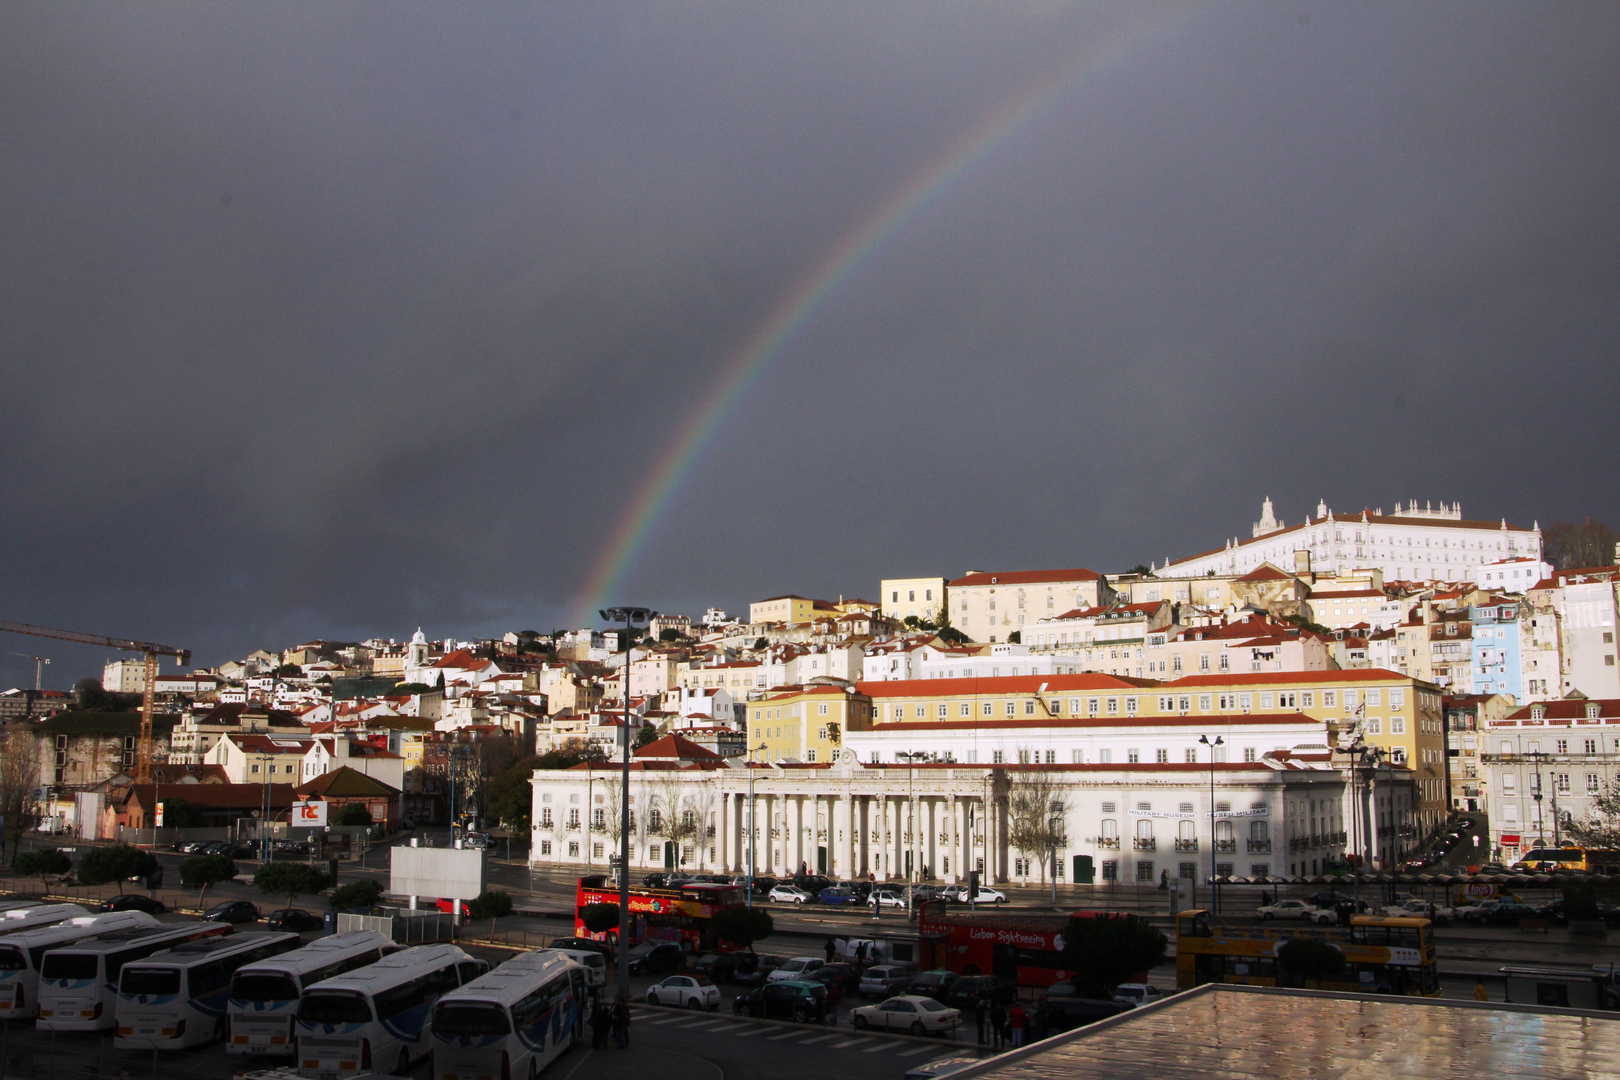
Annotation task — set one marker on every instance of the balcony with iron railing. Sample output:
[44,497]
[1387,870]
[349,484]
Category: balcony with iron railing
[1259,847]
[1145,843]
[1226,846]
[1187,845]
[1109,842]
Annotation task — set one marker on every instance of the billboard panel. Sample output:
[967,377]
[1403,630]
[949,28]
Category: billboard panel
[451,873]
[309,814]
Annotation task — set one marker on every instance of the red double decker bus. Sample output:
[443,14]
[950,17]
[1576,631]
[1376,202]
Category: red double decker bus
[684,913]
[1024,949]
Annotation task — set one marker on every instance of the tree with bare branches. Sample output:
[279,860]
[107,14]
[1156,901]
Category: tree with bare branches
[1567,545]
[1036,807]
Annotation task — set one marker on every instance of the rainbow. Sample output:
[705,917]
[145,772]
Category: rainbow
[795,309]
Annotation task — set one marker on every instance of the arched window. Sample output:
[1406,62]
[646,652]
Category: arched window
[1187,830]
[1144,828]
[1259,830]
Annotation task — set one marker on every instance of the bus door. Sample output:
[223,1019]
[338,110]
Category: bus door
[1004,962]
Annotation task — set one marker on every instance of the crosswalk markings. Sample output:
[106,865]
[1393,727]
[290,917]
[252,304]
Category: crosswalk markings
[850,1042]
[710,1024]
[790,1033]
[668,1020]
[818,1038]
[748,1030]
[877,1048]
[904,1050]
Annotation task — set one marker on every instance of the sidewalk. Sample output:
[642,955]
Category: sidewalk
[634,1063]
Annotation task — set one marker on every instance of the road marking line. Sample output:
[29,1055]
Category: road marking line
[711,1024]
[784,1035]
[875,1049]
[748,1030]
[671,1020]
[851,1042]
[903,1051]
[818,1038]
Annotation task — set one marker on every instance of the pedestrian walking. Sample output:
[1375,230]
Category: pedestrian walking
[833,997]
[1480,993]
[998,1026]
[601,1024]
[831,949]
[981,1013]
[860,954]
[1017,1019]
[621,1022]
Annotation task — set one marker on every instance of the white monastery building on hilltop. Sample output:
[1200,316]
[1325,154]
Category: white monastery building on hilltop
[1408,545]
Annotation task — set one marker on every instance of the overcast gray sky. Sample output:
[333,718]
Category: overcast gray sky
[333,320]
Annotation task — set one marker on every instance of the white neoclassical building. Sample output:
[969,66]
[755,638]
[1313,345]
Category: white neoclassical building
[1285,815]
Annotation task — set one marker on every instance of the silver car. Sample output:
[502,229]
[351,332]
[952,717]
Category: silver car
[882,980]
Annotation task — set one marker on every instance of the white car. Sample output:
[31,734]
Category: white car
[885,898]
[788,894]
[1419,909]
[1137,995]
[918,1015]
[799,967]
[691,991]
[986,896]
[1295,909]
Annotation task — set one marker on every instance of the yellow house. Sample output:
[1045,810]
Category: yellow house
[805,723]
[789,609]
[923,597]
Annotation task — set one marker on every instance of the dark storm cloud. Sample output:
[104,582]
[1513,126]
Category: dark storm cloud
[337,320]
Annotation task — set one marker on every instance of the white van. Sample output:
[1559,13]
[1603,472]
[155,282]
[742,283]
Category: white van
[594,963]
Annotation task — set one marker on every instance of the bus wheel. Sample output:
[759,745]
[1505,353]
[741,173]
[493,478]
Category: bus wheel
[534,1069]
[403,1068]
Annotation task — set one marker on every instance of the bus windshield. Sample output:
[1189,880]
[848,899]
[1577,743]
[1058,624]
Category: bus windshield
[471,1018]
[333,1008]
[11,958]
[69,966]
[264,988]
[150,981]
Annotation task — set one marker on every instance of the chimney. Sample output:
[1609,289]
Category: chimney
[1302,562]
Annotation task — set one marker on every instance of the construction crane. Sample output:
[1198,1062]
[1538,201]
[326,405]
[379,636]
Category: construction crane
[39,667]
[151,650]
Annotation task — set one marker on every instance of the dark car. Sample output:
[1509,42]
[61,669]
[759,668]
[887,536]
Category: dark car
[791,999]
[580,944]
[860,889]
[656,881]
[1055,1014]
[847,977]
[811,883]
[655,956]
[966,993]
[933,984]
[836,896]
[1503,913]
[232,911]
[717,966]
[133,902]
[1329,899]
[215,847]
[293,919]
[752,970]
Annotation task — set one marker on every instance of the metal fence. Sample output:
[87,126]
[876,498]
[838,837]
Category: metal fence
[405,927]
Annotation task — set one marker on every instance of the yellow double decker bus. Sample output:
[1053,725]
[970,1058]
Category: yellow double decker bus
[1382,955]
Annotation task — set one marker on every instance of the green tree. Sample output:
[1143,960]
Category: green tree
[600,918]
[491,904]
[511,795]
[406,689]
[1016,637]
[352,814]
[356,895]
[1142,570]
[42,861]
[761,643]
[116,864]
[201,871]
[647,734]
[1109,949]
[288,671]
[742,926]
[1567,545]
[180,814]
[669,633]
[289,879]
[1307,958]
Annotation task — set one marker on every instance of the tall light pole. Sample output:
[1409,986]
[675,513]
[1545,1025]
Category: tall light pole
[751,829]
[631,617]
[1214,891]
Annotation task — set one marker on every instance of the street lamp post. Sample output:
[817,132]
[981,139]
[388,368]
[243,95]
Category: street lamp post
[1056,810]
[631,617]
[751,830]
[1541,832]
[1214,890]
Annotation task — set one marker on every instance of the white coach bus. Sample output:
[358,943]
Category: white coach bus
[19,919]
[21,955]
[177,998]
[78,983]
[264,996]
[375,1019]
[511,1023]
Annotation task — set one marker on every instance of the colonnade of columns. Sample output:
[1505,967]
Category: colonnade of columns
[891,835]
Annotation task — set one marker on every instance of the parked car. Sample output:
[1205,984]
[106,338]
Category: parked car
[847,977]
[584,945]
[797,967]
[914,1013]
[788,894]
[655,956]
[293,919]
[958,894]
[656,881]
[214,847]
[935,984]
[689,991]
[1056,1014]
[966,993]
[1137,995]
[717,966]
[753,970]
[885,980]
[1501,913]
[232,911]
[888,898]
[1295,909]
[133,902]
[790,999]
[811,883]
[861,890]
[836,896]
[1327,899]
[1421,909]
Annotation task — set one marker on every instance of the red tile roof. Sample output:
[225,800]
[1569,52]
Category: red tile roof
[1027,577]
[1285,678]
[1569,709]
[1223,719]
[1004,684]
[674,746]
[1266,572]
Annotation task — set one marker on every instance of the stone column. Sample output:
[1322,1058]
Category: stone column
[722,834]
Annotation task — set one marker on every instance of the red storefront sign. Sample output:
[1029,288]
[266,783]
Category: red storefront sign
[1510,839]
